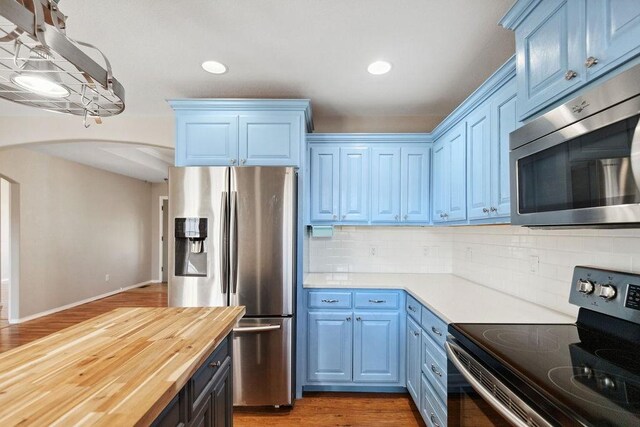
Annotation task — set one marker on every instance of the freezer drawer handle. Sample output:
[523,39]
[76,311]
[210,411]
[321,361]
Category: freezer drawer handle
[257,328]
[331,301]
[377,301]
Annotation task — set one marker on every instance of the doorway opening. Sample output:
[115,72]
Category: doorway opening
[164,239]
[9,250]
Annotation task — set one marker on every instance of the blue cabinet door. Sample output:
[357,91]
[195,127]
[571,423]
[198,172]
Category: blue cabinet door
[329,346]
[325,178]
[613,31]
[441,179]
[270,139]
[413,360]
[415,184]
[385,184]
[550,46]
[354,184]
[503,121]
[206,140]
[457,206]
[479,162]
[376,354]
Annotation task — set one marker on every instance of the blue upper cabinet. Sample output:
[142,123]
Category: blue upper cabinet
[414,186]
[551,53]
[270,140]
[240,132]
[385,184]
[325,188]
[212,140]
[562,45]
[479,162]
[449,176]
[354,184]
[613,34]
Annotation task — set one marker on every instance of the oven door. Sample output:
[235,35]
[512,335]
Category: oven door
[476,397]
[587,173]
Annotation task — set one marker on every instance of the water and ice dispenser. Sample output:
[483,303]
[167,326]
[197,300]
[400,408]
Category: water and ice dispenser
[191,246]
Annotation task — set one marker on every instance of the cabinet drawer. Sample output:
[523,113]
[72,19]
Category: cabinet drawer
[327,299]
[433,413]
[434,366]
[435,327]
[413,308]
[386,300]
[201,380]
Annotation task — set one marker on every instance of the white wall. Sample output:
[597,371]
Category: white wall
[535,265]
[77,224]
[157,190]
[4,247]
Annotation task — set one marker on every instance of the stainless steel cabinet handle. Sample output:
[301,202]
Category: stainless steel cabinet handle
[256,328]
[570,75]
[591,61]
[435,370]
[435,331]
[349,319]
[433,420]
[377,301]
[358,318]
[234,241]
[412,308]
[215,364]
[330,301]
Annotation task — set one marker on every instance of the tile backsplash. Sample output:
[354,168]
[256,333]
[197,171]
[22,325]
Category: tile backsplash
[535,265]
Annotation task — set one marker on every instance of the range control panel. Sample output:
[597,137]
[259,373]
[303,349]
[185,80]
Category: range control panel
[610,292]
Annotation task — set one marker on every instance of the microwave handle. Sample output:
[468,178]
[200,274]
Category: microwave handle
[453,350]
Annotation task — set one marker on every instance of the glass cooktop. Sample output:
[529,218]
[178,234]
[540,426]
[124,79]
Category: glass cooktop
[587,375]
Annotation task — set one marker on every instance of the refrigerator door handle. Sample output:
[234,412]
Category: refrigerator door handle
[224,241]
[257,328]
[233,244]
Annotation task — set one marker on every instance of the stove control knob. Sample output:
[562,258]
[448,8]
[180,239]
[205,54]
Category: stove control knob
[607,292]
[585,286]
[606,383]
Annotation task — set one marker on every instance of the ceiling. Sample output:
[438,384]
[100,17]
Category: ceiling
[441,52]
[138,161]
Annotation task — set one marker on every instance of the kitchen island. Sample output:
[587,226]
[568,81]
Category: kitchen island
[131,366]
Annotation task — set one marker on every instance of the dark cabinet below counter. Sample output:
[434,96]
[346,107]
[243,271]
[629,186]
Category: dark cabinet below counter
[207,398]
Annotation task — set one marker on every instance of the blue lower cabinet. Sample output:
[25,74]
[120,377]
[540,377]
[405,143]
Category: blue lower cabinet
[413,359]
[431,409]
[329,351]
[376,347]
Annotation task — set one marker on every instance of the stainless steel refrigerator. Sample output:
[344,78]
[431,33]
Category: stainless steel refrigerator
[233,234]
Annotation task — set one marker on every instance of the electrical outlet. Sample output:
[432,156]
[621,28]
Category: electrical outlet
[373,251]
[468,255]
[534,263]
[107,277]
[426,251]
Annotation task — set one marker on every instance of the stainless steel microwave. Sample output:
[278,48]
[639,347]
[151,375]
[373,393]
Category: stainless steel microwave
[579,164]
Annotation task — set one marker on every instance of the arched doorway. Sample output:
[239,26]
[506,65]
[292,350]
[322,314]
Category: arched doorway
[9,249]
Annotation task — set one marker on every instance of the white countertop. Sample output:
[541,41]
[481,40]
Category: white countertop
[453,299]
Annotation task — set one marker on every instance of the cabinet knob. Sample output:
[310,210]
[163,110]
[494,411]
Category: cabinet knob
[441,215]
[349,319]
[570,75]
[415,333]
[233,161]
[335,217]
[591,61]
[397,217]
[344,216]
[493,209]
[406,217]
[243,161]
[445,215]
[485,210]
[358,318]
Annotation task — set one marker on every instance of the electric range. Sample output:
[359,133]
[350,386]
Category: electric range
[585,374]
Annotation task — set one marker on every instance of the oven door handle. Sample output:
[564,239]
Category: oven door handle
[453,350]
[635,155]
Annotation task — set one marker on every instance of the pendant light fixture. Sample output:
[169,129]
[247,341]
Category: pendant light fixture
[41,67]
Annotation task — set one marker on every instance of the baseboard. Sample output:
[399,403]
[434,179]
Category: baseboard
[77,303]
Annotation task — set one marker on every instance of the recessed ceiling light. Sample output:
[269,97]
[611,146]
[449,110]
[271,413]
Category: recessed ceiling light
[214,67]
[379,67]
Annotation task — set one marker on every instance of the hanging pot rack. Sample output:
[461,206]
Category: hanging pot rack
[35,30]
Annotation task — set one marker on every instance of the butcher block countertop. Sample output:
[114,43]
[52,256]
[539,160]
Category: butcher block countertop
[118,369]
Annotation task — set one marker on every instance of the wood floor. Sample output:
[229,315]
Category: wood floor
[314,410]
